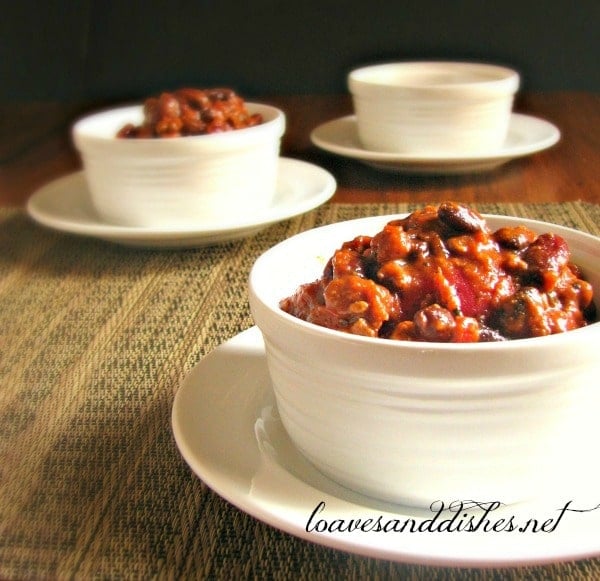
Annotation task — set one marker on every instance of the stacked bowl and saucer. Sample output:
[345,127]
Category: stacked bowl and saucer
[170,189]
[435,118]
[436,451]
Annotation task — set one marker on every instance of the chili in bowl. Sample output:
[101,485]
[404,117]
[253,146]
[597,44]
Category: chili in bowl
[181,159]
[438,356]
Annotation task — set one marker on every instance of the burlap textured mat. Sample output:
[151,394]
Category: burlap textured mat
[95,339]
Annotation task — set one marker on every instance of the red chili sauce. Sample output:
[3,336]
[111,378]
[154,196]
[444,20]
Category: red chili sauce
[192,112]
[441,274]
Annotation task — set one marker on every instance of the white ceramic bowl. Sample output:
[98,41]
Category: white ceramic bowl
[180,181]
[433,107]
[413,422]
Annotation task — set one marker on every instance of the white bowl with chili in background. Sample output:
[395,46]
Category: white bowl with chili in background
[415,422]
[438,107]
[186,181]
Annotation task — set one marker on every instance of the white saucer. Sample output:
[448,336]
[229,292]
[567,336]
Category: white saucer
[65,205]
[226,427]
[526,135]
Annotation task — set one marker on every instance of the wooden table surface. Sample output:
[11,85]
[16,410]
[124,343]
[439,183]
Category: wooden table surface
[35,148]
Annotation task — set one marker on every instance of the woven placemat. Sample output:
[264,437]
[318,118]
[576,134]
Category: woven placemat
[95,339]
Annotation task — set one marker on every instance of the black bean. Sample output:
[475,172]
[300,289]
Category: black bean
[460,218]
[514,238]
[434,323]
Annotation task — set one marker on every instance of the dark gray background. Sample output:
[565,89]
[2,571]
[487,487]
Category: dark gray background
[115,49]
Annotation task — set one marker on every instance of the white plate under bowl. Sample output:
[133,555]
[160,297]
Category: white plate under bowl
[65,205]
[226,427]
[526,135]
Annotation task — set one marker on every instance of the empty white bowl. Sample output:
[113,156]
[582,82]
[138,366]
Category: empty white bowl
[180,181]
[433,107]
[414,422]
